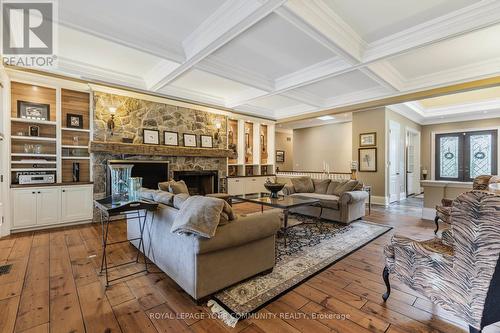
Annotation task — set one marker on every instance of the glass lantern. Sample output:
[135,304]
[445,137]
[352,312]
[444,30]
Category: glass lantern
[120,177]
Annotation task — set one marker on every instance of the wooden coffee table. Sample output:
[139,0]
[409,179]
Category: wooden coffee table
[282,202]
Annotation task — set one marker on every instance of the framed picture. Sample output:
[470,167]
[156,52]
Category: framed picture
[280,156]
[34,130]
[368,139]
[171,138]
[151,137]
[35,111]
[206,141]
[189,140]
[74,120]
[367,159]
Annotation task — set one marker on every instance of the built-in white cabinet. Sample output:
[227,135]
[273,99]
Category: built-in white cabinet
[246,185]
[50,205]
[24,207]
[76,203]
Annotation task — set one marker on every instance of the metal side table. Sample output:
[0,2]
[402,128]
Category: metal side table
[113,206]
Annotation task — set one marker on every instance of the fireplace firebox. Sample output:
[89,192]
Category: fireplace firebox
[199,182]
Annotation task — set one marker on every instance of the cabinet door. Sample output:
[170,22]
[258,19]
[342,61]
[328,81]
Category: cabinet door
[48,202]
[76,203]
[251,185]
[24,207]
[260,185]
[235,186]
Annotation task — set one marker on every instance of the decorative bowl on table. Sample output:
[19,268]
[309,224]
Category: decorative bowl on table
[274,188]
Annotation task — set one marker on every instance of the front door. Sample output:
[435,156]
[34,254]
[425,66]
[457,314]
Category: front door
[465,155]
[394,161]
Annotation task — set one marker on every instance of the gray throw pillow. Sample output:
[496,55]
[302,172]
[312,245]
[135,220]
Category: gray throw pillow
[321,185]
[179,187]
[346,187]
[303,184]
[163,197]
[165,186]
[179,199]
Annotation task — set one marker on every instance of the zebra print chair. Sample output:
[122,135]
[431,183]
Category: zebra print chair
[461,275]
[443,211]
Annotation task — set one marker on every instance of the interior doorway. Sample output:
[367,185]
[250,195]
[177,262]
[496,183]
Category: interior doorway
[412,162]
[395,155]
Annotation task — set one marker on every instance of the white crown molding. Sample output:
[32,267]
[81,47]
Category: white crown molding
[86,71]
[305,97]
[175,55]
[229,21]
[480,106]
[384,74]
[162,68]
[356,97]
[320,22]
[460,74]
[236,73]
[406,111]
[192,95]
[476,16]
[313,73]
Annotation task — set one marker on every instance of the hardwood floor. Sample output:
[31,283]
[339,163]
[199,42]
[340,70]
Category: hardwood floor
[54,286]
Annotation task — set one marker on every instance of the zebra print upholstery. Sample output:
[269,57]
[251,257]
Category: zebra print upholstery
[443,212]
[461,275]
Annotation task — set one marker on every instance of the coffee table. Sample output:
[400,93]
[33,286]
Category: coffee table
[282,202]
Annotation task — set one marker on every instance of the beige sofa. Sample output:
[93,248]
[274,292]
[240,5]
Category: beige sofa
[341,201]
[239,250]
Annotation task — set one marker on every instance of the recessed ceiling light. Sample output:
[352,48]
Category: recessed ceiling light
[324,118]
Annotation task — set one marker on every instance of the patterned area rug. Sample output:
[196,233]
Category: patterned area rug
[311,246]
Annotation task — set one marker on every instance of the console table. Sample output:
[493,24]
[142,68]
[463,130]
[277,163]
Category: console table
[113,206]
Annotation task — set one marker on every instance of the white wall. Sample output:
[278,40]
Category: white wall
[329,143]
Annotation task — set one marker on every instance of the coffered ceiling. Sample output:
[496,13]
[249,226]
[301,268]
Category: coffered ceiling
[280,58]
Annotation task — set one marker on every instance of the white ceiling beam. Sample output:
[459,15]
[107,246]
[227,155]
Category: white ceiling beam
[230,20]
[477,16]
[320,22]
[311,18]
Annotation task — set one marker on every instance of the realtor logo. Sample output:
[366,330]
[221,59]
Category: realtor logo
[28,33]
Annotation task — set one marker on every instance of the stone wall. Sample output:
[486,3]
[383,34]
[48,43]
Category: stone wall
[133,115]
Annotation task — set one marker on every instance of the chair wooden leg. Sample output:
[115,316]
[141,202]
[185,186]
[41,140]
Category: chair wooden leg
[474,330]
[436,220]
[385,275]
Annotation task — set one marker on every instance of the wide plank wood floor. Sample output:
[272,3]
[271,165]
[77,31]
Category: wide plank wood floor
[54,286]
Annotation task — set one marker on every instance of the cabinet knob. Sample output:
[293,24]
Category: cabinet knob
[64,190]
[33,192]
[38,192]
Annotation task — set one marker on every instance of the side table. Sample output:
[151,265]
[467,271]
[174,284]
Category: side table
[113,206]
[368,188]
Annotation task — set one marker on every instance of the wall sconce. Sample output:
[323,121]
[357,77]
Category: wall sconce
[217,138]
[111,121]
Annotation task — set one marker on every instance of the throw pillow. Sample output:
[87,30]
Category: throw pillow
[303,184]
[345,187]
[332,186]
[163,197]
[179,187]
[179,199]
[165,186]
[321,185]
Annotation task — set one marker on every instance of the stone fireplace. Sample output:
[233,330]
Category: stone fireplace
[133,115]
[199,182]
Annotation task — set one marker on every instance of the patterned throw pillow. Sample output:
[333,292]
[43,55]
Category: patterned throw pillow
[303,184]
[321,185]
[348,186]
[179,187]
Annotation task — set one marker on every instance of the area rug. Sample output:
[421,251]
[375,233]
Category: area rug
[311,246]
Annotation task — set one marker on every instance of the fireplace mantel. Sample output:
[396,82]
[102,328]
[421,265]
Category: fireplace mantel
[156,150]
